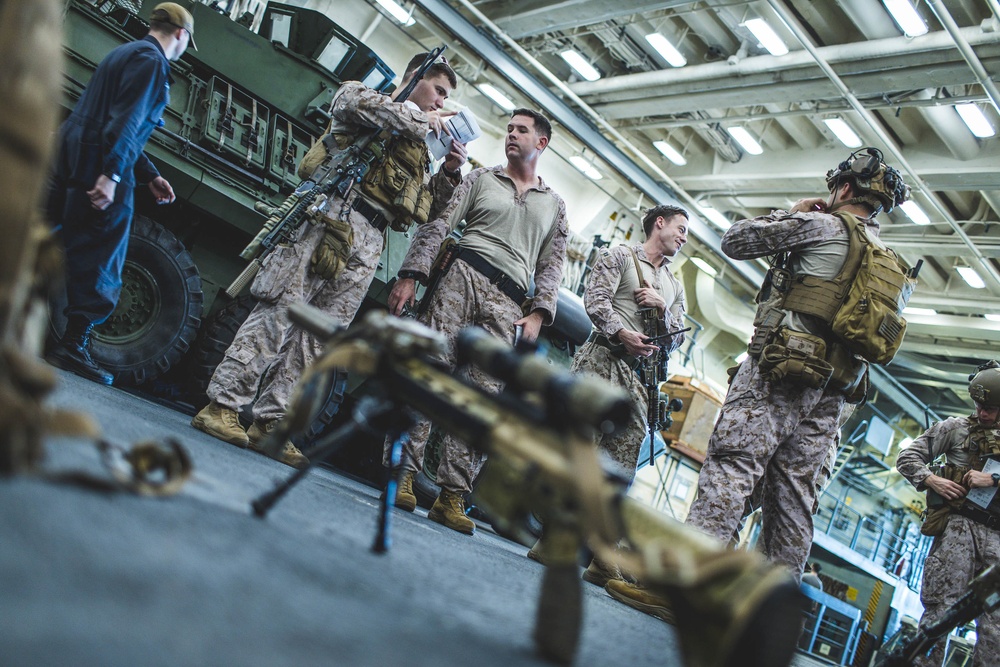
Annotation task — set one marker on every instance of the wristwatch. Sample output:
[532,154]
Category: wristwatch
[996,479]
[413,275]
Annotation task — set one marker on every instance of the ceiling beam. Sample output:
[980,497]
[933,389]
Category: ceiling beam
[536,18]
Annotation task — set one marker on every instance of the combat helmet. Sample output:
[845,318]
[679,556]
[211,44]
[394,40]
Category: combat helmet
[874,182]
[984,384]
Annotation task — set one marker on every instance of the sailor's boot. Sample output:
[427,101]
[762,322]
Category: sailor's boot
[449,509]
[405,498]
[73,353]
[222,423]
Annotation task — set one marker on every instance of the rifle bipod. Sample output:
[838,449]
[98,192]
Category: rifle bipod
[370,415]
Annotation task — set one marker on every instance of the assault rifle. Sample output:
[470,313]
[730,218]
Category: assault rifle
[733,608]
[340,171]
[653,370]
[907,645]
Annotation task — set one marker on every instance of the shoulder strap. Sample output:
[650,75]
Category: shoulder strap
[638,269]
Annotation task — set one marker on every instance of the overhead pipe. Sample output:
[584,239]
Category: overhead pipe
[855,51]
[966,50]
[876,127]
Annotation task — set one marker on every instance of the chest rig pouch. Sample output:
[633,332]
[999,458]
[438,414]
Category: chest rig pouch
[983,445]
[396,179]
[395,176]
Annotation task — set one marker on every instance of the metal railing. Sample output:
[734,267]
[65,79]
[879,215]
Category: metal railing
[899,554]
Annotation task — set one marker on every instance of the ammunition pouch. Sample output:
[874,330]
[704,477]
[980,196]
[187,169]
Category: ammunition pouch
[396,181]
[850,374]
[795,358]
[330,257]
[935,517]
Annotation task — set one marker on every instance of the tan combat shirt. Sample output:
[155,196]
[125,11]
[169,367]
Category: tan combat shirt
[520,235]
[945,437]
[610,294]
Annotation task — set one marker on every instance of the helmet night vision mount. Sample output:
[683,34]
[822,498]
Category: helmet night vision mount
[873,181]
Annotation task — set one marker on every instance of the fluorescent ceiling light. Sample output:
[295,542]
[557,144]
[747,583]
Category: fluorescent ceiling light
[745,140]
[905,442]
[843,132]
[397,11]
[915,213]
[911,310]
[741,357]
[767,37]
[501,100]
[906,17]
[992,317]
[720,221]
[669,152]
[704,266]
[666,49]
[584,165]
[970,276]
[578,63]
[975,119]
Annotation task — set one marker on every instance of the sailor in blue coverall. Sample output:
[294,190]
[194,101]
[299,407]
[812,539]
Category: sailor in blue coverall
[99,163]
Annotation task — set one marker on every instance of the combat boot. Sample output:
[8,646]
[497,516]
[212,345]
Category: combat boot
[289,454]
[222,423]
[600,572]
[641,598]
[405,498]
[73,353]
[449,509]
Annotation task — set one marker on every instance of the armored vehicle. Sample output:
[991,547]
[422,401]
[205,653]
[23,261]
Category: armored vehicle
[244,108]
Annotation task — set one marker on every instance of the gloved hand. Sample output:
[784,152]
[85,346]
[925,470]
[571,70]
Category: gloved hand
[334,249]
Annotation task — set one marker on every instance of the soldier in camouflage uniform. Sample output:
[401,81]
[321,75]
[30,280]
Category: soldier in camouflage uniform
[613,298]
[515,227]
[970,541]
[780,429]
[330,265]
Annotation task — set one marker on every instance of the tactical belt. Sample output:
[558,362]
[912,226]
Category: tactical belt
[375,218]
[504,283]
[988,519]
[618,351]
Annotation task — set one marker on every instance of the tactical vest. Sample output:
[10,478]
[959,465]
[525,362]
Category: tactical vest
[395,176]
[863,303]
[982,444]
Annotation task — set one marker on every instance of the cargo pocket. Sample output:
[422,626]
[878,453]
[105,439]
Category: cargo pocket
[270,284]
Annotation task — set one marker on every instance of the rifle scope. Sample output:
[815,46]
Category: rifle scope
[569,399]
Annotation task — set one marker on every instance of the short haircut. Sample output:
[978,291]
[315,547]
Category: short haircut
[664,211]
[162,27]
[542,125]
[817,568]
[440,67]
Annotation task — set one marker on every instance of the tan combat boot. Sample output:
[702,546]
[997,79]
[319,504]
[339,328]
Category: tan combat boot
[449,509]
[222,423]
[641,598]
[289,455]
[405,498]
[600,572]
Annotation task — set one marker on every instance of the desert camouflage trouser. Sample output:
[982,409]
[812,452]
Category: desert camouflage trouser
[623,447]
[271,353]
[956,557]
[782,431]
[464,298]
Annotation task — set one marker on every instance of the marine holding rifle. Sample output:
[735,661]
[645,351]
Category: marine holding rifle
[627,283]
[963,511]
[515,228]
[330,261]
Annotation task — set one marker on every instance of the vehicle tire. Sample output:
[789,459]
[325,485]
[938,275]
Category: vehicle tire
[158,313]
